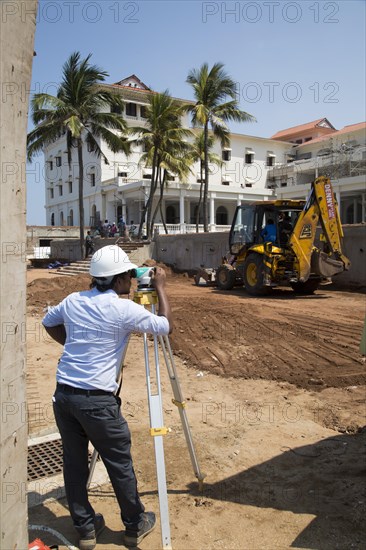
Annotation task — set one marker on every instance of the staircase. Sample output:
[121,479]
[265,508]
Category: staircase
[81,267]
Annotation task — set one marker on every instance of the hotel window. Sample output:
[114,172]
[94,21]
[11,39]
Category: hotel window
[249,156]
[60,191]
[271,158]
[70,186]
[58,161]
[89,147]
[92,180]
[143,111]
[226,154]
[51,193]
[131,109]
[50,164]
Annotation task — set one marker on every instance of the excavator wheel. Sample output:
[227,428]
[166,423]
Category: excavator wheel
[253,275]
[225,277]
[307,288]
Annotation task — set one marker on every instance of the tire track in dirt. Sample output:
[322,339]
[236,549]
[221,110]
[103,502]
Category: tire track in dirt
[270,340]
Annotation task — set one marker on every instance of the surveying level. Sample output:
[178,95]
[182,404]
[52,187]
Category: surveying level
[145,295]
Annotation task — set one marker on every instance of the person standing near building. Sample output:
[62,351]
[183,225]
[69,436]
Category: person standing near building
[89,244]
[94,327]
[122,227]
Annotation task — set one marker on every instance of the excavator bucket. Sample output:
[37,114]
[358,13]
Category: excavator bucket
[323,265]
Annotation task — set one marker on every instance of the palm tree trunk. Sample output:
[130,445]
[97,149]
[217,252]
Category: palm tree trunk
[150,205]
[205,193]
[81,196]
[159,205]
[146,208]
[200,199]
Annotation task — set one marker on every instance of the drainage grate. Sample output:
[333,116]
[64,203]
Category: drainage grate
[44,459]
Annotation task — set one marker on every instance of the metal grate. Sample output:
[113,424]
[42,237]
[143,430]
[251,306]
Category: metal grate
[45,459]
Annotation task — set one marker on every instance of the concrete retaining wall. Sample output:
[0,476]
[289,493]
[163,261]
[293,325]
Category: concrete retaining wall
[38,233]
[69,250]
[355,250]
[189,252]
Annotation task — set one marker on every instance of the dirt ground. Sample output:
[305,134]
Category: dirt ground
[275,391]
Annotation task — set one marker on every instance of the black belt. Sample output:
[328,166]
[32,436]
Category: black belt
[82,391]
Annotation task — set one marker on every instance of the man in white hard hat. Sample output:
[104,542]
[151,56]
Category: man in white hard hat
[94,326]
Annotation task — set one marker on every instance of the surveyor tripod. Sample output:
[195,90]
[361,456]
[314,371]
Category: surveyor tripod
[148,297]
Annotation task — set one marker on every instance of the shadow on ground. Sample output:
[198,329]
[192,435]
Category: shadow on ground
[326,479]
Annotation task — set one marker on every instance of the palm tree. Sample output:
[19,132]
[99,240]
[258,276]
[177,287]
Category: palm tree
[175,160]
[211,88]
[198,155]
[163,138]
[79,109]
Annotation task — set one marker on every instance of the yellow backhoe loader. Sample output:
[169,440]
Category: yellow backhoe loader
[273,243]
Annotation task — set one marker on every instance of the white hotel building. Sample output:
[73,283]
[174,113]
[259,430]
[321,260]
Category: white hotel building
[253,169]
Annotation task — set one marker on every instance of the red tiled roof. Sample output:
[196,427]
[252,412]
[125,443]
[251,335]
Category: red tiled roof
[301,128]
[345,130]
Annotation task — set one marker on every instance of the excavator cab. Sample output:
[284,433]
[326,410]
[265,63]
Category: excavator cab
[242,231]
[255,224]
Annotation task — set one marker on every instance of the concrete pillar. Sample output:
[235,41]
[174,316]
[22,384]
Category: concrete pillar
[363,203]
[17,26]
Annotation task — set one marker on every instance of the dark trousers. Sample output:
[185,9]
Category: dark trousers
[81,417]
[89,249]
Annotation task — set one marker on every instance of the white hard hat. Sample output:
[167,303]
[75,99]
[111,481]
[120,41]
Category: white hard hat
[108,261]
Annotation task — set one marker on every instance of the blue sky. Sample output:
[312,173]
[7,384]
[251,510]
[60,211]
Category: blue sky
[293,62]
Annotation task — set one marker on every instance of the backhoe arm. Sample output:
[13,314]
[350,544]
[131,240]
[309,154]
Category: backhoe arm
[320,206]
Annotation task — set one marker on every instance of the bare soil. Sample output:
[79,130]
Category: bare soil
[275,388]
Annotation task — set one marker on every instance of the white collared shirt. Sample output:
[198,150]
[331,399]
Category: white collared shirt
[98,325]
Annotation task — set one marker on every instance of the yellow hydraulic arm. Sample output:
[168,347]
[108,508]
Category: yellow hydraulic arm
[320,206]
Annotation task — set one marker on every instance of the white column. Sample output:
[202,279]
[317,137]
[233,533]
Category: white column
[212,212]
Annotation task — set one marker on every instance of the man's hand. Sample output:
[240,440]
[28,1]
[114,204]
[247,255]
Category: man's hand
[158,278]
